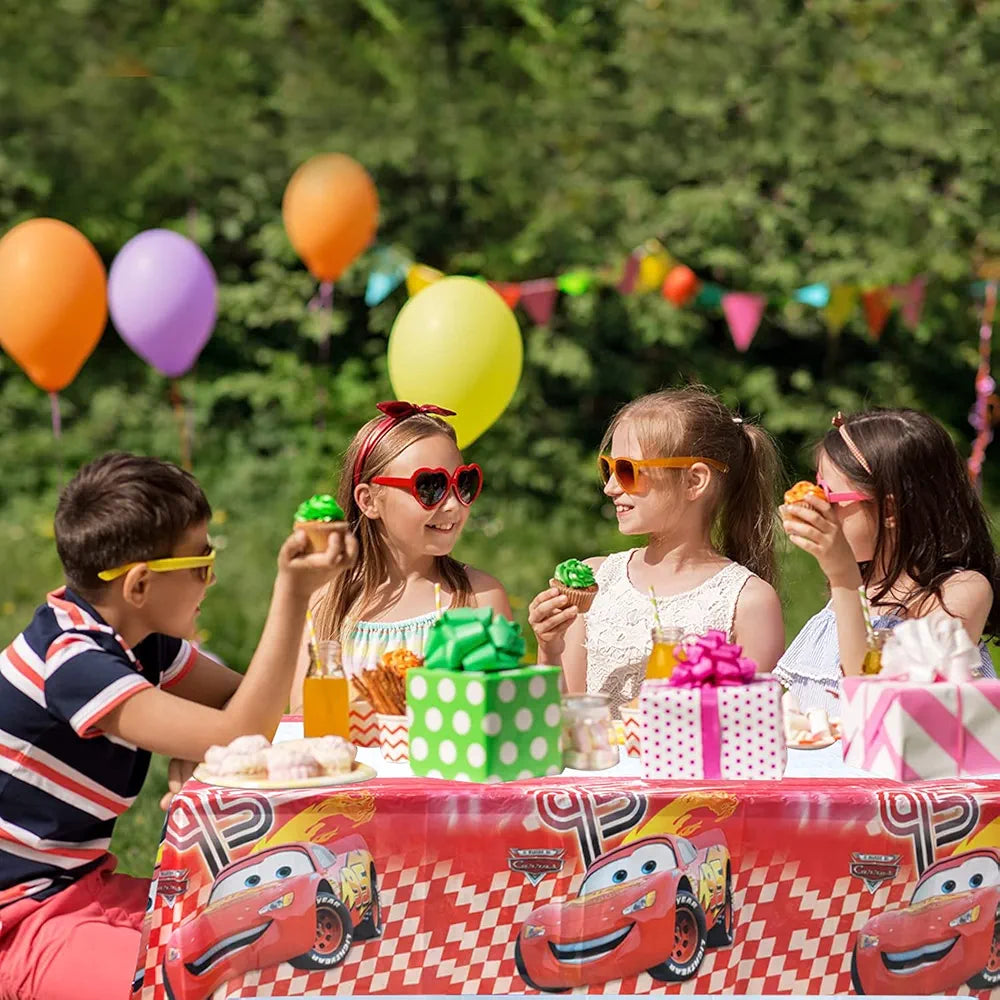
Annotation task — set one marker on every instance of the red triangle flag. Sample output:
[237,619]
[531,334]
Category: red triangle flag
[509,291]
[877,304]
[539,299]
[743,314]
[910,298]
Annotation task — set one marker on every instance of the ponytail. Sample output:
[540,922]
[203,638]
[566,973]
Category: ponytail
[747,523]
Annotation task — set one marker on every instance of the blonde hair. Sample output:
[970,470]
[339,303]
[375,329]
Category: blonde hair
[339,606]
[743,504]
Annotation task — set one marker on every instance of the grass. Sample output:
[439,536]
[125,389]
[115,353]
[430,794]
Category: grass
[508,539]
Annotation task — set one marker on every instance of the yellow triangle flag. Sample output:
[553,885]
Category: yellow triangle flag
[653,268]
[843,299]
[420,276]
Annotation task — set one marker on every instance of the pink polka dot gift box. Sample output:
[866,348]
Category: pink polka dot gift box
[713,718]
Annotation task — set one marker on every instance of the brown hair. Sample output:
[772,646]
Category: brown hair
[334,609]
[940,524]
[693,421]
[123,508]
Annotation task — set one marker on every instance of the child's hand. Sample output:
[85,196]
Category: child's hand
[812,525]
[306,571]
[178,771]
[550,615]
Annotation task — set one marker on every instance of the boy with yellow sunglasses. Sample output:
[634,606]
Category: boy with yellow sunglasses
[101,677]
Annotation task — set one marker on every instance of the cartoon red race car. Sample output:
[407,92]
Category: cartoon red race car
[299,903]
[948,935]
[651,905]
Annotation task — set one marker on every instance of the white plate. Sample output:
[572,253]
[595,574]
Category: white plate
[360,772]
[813,746]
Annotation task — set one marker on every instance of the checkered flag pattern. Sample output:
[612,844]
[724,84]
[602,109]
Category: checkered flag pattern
[447,933]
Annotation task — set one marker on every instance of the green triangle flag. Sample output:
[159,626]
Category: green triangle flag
[575,282]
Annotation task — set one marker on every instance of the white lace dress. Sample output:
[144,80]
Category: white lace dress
[620,620]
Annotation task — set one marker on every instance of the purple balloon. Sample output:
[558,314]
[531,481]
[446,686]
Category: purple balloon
[163,298]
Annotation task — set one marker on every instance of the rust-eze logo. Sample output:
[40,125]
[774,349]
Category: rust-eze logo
[534,863]
[874,869]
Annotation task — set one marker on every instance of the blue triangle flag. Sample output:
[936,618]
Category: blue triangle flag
[813,295]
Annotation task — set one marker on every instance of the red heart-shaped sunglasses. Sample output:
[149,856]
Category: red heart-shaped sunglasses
[429,487]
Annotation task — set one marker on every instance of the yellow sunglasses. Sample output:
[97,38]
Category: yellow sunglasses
[205,563]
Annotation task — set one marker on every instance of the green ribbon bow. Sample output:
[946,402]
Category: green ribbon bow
[473,639]
[321,507]
[576,574]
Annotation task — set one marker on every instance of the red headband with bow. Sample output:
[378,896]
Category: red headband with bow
[395,410]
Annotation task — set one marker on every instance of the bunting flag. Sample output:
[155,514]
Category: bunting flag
[877,305]
[743,312]
[813,295]
[985,386]
[654,264]
[910,299]
[539,299]
[420,276]
[509,291]
[575,282]
[843,299]
[389,270]
[630,275]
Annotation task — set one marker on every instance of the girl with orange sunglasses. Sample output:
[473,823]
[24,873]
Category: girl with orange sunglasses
[701,485]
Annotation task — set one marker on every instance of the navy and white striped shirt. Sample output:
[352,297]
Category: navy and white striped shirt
[63,782]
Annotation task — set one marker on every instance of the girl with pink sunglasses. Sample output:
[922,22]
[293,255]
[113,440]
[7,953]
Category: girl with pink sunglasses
[406,493]
[900,518]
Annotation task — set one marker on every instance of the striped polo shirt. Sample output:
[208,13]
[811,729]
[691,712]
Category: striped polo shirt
[63,782]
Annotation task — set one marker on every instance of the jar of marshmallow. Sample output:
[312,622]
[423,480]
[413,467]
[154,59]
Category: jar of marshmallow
[588,738]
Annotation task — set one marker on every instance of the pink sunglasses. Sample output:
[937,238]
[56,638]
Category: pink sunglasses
[831,497]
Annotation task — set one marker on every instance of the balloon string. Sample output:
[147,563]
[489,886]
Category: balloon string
[177,401]
[323,301]
[56,415]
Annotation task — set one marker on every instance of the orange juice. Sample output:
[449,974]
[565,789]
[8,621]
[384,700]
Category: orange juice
[326,706]
[662,660]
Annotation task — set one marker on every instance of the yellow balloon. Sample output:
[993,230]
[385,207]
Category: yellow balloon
[458,345]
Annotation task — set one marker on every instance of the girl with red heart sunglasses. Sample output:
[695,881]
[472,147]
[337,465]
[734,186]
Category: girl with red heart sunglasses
[406,493]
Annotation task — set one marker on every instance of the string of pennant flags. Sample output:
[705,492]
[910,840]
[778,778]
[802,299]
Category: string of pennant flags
[651,269]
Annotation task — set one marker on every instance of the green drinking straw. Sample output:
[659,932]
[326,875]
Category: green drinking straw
[656,610]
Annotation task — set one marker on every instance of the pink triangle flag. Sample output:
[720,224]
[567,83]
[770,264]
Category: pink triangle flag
[743,314]
[630,275]
[539,299]
[910,298]
[509,291]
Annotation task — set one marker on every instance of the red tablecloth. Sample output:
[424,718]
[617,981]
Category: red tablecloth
[451,880]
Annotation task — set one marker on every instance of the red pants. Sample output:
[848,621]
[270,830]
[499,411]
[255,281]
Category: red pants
[80,944]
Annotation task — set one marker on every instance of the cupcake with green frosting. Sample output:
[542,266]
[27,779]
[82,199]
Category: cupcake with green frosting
[319,517]
[575,581]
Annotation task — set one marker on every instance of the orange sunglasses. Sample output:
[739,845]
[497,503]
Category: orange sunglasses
[626,470]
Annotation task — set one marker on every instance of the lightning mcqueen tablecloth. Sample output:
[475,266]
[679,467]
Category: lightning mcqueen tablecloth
[613,884]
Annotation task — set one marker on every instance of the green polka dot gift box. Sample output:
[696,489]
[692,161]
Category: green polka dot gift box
[475,713]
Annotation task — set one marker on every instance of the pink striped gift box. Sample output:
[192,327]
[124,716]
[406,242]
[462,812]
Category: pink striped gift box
[914,731]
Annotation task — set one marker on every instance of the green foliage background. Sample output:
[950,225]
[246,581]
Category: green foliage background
[767,143]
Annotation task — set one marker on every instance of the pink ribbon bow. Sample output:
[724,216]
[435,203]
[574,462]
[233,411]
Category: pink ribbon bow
[711,661]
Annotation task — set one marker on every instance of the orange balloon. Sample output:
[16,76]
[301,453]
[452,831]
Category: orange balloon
[330,210]
[53,300]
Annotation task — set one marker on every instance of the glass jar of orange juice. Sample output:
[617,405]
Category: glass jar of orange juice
[325,694]
[662,659]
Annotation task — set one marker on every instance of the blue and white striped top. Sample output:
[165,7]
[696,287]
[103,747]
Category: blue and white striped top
[810,667]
